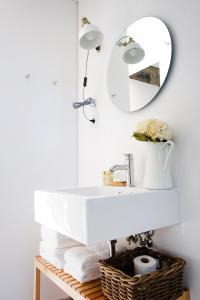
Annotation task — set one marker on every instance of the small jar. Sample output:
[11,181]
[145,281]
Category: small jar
[107,178]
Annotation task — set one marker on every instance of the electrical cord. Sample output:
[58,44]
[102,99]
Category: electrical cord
[85,77]
[91,120]
[86,102]
[89,101]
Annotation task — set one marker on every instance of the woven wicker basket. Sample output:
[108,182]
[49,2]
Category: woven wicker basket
[119,283]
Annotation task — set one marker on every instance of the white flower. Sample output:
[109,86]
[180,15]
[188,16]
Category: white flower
[155,130]
[142,127]
[165,133]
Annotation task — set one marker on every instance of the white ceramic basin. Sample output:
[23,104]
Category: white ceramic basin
[94,214]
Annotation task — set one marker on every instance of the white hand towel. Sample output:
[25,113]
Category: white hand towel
[82,276]
[84,257]
[57,240]
[62,244]
[50,250]
[54,257]
[81,261]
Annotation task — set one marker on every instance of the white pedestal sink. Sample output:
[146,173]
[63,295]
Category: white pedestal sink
[95,214]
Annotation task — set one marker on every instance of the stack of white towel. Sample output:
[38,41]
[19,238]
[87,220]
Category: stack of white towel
[76,259]
[54,245]
[81,262]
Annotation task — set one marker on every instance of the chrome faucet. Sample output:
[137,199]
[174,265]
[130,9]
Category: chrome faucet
[128,167]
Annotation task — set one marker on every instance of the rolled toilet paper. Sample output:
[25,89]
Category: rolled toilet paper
[144,264]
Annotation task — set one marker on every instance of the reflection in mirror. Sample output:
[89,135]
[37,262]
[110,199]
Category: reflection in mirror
[131,85]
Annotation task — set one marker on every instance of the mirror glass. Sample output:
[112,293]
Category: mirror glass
[133,85]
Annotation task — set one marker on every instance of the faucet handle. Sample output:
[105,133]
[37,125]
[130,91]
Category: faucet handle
[128,156]
[130,171]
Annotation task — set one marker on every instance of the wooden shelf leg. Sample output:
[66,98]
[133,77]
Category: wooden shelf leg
[186,295]
[36,283]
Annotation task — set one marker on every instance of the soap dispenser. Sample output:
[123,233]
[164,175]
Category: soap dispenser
[107,178]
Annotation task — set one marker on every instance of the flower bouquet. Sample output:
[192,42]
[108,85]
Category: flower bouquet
[157,136]
[153,130]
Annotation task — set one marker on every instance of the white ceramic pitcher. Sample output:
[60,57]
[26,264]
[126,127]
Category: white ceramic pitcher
[157,169]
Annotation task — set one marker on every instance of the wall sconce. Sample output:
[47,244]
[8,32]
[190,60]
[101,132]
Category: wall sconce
[133,52]
[90,36]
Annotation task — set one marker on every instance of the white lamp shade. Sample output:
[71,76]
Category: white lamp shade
[133,53]
[90,36]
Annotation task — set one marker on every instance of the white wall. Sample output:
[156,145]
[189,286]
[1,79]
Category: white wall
[38,134]
[178,104]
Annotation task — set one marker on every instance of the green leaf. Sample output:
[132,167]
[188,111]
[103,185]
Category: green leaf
[141,137]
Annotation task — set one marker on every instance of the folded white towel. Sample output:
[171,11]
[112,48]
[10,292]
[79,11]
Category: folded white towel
[55,257]
[52,251]
[82,276]
[57,240]
[81,261]
[84,258]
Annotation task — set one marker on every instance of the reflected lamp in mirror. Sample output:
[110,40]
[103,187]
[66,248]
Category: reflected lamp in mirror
[134,84]
[90,37]
[132,52]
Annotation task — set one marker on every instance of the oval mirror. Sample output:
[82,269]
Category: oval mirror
[139,64]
